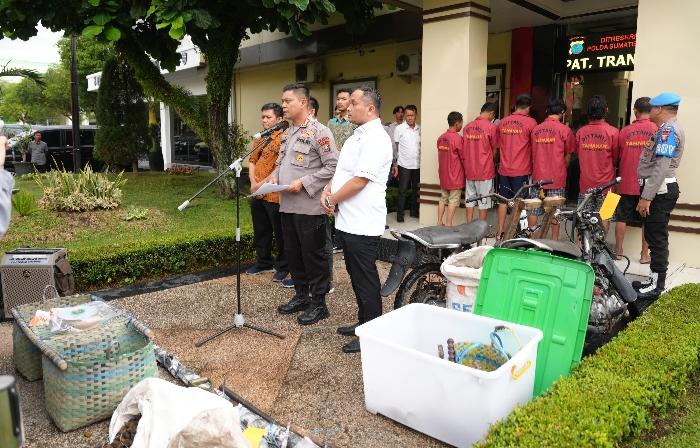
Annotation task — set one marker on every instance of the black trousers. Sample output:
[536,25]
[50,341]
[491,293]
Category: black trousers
[305,245]
[266,222]
[361,263]
[656,227]
[406,175]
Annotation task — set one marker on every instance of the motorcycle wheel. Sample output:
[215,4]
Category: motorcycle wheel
[425,284]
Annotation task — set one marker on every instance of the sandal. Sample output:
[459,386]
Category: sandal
[491,235]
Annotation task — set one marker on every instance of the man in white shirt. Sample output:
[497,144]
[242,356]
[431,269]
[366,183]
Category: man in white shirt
[358,189]
[407,138]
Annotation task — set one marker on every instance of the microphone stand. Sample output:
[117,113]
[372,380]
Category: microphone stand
[238,319]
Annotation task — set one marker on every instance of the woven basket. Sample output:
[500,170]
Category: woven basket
[26,354]
[96,376]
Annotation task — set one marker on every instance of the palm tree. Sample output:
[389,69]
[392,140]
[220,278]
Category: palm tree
[23,72]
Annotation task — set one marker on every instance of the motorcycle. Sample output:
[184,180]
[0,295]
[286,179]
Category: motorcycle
[613,295]
[425,250]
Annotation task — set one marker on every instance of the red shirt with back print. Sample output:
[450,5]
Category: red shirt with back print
[514,135]
[597,148]
[552,140]
[450,169]
[631,144]
[480,139]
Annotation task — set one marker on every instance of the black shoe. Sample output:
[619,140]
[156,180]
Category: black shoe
[348,331]
[654,288]
[399,219]
[299,302]
[316,311]
[637,285]
[352,347]
[415,215]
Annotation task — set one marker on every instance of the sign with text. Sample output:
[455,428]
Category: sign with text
[601,52]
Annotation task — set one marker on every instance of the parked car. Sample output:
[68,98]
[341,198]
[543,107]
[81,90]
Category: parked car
[59,140]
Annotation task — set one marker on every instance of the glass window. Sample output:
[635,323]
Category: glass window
[69,138]
[52,138]
[87,138]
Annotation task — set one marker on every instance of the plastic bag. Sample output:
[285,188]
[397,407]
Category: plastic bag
[80,317]
[167,410]
[463,271]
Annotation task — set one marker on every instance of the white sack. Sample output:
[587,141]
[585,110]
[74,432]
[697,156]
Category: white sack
[464,268]
[166,409]
[463,272]
[213,428]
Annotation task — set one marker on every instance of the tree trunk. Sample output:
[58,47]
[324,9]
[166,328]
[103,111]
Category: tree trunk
[135,167]
[220,47]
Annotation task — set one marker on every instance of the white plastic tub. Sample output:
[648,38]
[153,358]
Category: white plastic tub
[405,380]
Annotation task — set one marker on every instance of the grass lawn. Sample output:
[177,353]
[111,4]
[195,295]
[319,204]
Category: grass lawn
[161,193]
[681,428]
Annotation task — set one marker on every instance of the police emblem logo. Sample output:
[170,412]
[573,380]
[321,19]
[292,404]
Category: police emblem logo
[665,132]
[646,153]
[324,141]
[326,149]
[576,44]
[300,158]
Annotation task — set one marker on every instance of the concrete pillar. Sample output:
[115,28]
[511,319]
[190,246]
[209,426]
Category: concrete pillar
[167,136]
[455,39]
[664,62]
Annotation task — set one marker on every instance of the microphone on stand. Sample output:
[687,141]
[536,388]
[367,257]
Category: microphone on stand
[276,127]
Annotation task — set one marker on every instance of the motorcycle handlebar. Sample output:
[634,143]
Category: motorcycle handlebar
[602,188]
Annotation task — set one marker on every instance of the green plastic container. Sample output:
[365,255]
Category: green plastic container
[540,290]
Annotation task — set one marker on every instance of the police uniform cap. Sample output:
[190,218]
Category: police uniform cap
[666,99]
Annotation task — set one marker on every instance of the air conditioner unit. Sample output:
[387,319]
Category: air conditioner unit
[409,63]
[309,72]
[493,80]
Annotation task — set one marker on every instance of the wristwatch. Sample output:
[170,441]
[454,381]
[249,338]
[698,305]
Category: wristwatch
[328,201]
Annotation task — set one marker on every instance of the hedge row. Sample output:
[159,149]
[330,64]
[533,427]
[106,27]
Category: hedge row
[614,396]
[117,264]
[125,263]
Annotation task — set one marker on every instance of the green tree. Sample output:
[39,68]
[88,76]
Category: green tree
[24,101]
[143,28]
[33,75]
[122,112]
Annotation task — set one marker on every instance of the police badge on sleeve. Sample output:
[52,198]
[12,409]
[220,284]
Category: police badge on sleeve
[666,146]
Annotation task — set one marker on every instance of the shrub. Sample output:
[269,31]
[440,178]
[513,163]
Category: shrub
[392,196]
[24,203]
[180,169]
[135,213]
[614,396]
[87,190]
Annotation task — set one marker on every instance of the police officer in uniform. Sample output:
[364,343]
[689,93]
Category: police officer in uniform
[659,192]
[306,163]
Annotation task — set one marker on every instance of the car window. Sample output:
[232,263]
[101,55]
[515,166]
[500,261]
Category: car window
[68,138]
[87,137]
[52,138]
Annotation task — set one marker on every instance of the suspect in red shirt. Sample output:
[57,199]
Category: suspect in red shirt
[598,150]
[479,152]
[516,156]
[631,144]
[450,168]
[552,146]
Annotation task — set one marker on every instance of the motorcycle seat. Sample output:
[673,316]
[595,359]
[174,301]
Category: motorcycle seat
[461,235]
[565,247]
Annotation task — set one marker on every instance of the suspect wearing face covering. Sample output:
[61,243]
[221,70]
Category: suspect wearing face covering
[659,188]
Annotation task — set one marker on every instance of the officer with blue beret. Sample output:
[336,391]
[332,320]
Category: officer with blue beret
[659,191]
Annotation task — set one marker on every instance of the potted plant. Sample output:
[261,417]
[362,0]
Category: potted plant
[21,142]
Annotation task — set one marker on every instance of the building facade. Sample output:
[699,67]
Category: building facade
[445,55]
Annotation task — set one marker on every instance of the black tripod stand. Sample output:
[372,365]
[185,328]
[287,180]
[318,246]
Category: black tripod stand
[238,320]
